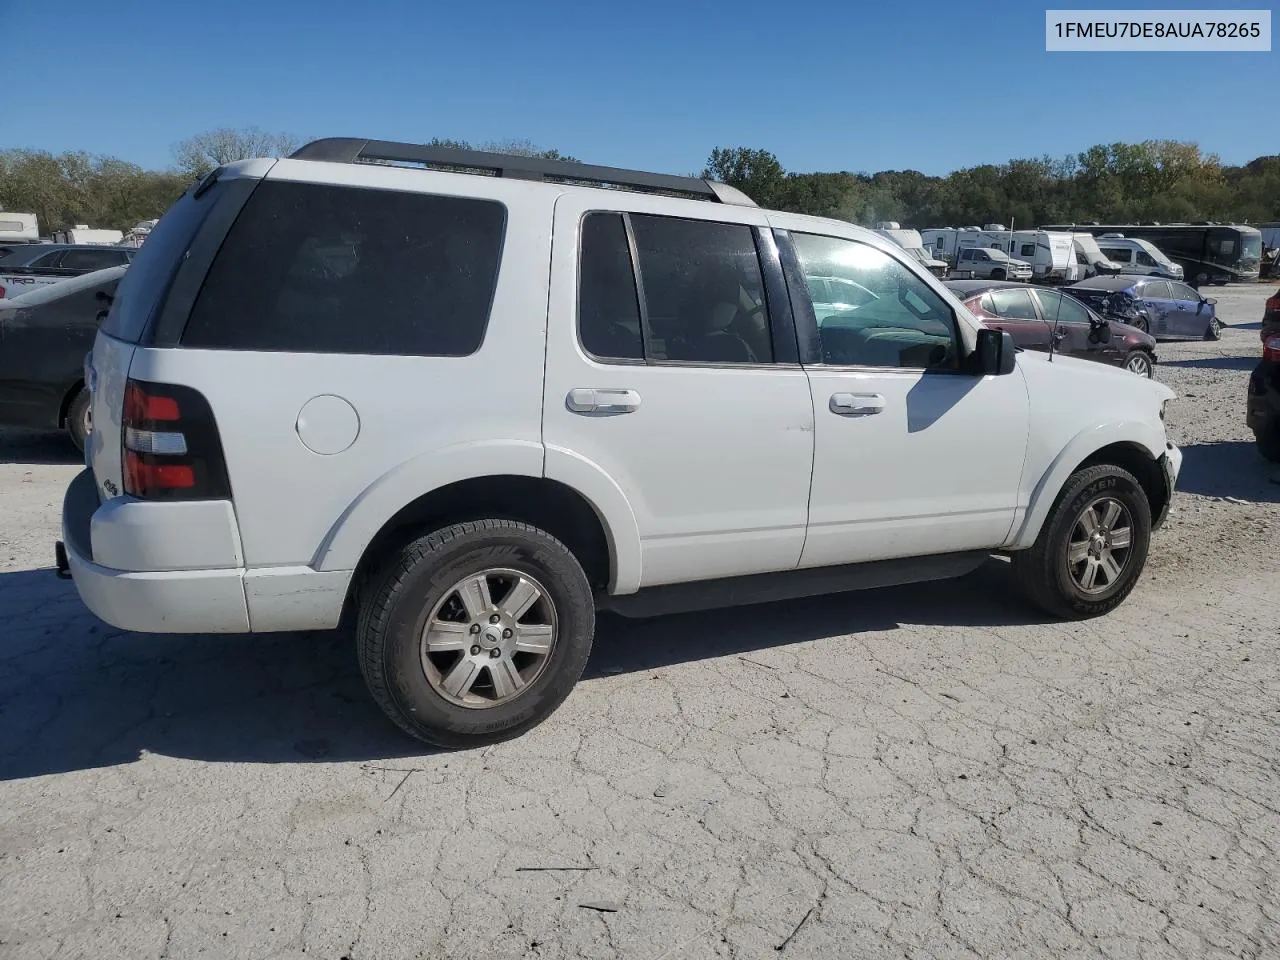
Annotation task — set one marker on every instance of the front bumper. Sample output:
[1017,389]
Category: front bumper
[1170,467]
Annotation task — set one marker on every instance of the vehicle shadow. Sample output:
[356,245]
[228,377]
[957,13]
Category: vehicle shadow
[1228,469]
[76,694]
[37,447]
[1214,363]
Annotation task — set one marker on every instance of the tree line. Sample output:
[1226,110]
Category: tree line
[1160,180]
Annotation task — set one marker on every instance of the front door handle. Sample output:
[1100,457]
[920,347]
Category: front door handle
[856,404]
[602,400]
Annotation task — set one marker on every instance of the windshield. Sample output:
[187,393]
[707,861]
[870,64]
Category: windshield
[1250,249]
[1154,253]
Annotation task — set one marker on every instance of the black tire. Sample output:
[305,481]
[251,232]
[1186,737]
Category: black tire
[78,419]
[400,597]
[1268,441]
[1043,572]
[1139,323]
[1214,331]
[1140,358]
[997,274]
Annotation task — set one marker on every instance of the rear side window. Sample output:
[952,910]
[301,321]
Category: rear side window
[700,296]
[1157,291]
[324,269]
[87,260]
[1013,304]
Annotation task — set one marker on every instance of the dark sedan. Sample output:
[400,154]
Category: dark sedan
[1167,309]
[1036,317]
[44,336]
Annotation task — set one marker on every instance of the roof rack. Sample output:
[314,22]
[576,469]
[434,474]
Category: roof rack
[386,152]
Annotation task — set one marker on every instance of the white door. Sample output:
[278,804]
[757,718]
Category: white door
[913,455]
[669,388]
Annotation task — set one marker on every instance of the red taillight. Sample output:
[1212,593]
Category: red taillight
[1273,303]
[171,448]
[1271,347]
[1,293]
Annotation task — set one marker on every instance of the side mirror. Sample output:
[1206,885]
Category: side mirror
[1100,332]
[995,352]
[1209,300]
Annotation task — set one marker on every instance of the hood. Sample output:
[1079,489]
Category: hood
[1112,383]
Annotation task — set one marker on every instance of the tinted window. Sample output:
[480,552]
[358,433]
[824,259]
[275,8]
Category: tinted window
[91,259]
[1060,309]
[905,325]
[48,260]
[1159,290]
[325,269]
[1118,254]
[1028,250]
[1013,305]
[608,313]
[703,291]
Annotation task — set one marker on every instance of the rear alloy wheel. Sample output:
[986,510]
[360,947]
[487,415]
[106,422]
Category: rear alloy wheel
[475,633]
[1140,363]
[80,419]
[1140,323]
[1214,332]
[1092,547]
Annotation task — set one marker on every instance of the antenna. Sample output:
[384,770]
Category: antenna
[1053,334]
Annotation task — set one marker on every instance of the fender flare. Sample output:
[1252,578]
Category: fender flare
[1082,446]
[369,512]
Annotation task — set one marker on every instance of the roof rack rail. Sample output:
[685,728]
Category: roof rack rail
[387,152]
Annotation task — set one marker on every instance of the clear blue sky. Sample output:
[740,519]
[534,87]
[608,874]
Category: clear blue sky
[655,84]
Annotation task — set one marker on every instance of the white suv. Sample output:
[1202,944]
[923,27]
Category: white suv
[469,398]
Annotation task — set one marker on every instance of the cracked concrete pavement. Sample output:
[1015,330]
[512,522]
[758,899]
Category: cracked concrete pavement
[929,771]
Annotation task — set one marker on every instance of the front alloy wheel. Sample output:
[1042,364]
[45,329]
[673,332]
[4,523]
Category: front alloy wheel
[1138,362]
[1100,544]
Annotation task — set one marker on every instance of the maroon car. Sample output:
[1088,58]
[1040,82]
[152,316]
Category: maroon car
[1035,316]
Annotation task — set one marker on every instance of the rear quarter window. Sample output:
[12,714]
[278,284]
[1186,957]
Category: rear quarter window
[313,268]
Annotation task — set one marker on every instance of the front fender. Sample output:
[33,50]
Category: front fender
[1082,446]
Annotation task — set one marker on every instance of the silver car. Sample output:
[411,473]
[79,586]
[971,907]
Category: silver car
[982,263]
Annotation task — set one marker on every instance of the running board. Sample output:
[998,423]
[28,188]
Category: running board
[789,585]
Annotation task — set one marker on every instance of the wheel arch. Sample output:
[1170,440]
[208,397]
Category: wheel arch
[68,398]
[1136,447]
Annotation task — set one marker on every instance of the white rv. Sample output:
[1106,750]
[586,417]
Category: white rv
[910,241]
[1093,262]
[1052,255]
[1138,256]
[18,228]
[81,234]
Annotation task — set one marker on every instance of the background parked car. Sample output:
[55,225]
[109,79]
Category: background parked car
[26,266]
[44,336]
[1167,309]
[1263,403]
[982,263]
[1137,256]
[1029,316]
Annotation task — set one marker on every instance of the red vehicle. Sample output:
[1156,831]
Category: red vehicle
[1263,404]
[1037,316]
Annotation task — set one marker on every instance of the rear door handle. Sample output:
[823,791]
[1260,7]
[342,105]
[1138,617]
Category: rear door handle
[856,404]
[602,400]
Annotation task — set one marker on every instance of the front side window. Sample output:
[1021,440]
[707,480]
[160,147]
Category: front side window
[1145,259]
[1182,292]
[312,268]
[1012,304]
[1060,309]
[905,325]
[701,291]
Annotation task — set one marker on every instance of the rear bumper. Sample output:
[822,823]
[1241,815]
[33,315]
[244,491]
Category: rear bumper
[171,601]
[220,597]
[1262,407]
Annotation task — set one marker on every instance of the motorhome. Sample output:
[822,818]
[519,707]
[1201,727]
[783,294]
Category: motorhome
[1093,262]
[911,241]
[1051,255]
[81,234]
[1138,256]
[1206,252]
[18,228]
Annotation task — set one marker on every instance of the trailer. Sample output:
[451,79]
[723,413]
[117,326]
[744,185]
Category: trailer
[18,228]
[81,234]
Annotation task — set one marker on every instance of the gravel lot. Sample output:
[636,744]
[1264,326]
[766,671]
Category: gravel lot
[931,771]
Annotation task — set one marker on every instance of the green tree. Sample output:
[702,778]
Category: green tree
[757,173]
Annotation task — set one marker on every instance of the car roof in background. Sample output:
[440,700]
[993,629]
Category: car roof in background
[967,288]
[1120,282]
[21,254]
